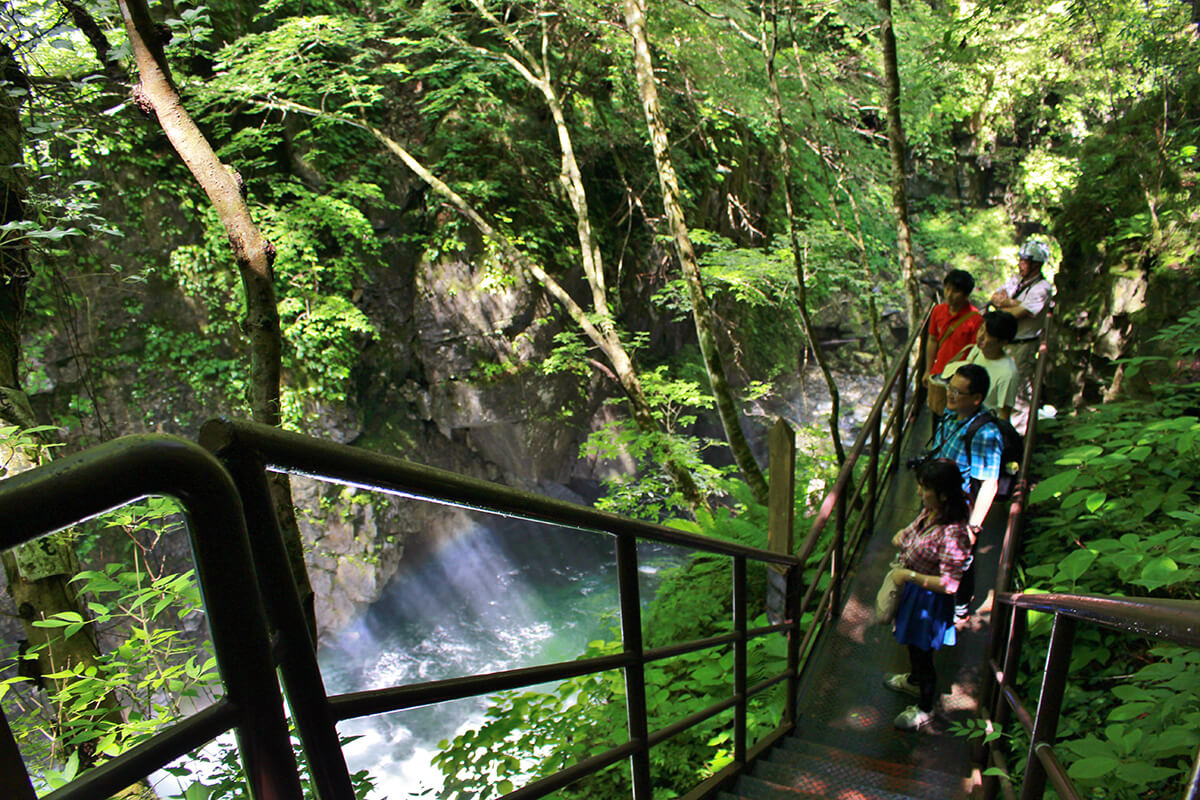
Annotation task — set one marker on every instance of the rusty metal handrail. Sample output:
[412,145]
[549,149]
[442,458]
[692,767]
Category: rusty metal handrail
[80,486]
[249,450]
[1172,620]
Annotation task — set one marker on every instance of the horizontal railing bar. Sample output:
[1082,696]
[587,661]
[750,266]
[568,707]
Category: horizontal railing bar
[1174,620]
[662,734]
[589,766]
[1055,772]
[762,686]
[164,747]
[397,698]
[1018,708]
[755,633]
[683,648]
[285,451]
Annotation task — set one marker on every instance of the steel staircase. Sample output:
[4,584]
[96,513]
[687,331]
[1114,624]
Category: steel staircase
[845,746]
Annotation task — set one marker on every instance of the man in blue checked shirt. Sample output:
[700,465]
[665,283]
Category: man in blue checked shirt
[980,466]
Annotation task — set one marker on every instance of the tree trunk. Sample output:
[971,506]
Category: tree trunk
[253,254]
[571,177]
[896,147]
[635,17]
[768,42]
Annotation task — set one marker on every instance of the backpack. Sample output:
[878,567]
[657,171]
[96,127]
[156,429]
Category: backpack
[1012,448]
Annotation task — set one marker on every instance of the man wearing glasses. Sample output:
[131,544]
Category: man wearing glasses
[978,454]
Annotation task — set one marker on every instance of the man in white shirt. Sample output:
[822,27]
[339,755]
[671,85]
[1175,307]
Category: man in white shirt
[1026,296]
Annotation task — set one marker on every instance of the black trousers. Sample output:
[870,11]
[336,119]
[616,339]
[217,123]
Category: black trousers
[923,675]
[966,587]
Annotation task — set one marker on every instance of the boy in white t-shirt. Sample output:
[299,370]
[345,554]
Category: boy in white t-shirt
[997,331]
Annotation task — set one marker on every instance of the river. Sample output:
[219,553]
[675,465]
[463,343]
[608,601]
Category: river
[502,594]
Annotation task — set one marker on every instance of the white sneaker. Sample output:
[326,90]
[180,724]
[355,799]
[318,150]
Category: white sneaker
[913,719]
[899,682]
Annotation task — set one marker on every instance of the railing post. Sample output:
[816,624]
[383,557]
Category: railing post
[298,667]
[781,515]
[873,475]
[795,577]
[837,566]
[1045,724]
[1012,658]
[739,660]
[635,673]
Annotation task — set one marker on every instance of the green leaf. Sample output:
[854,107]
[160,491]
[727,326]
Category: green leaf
[1074,565]
[1094,767]
[1140,773]
[1095,500]
[1159,572]
[1052,485]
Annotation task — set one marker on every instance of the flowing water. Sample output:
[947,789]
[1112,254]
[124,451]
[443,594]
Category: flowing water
[502,594]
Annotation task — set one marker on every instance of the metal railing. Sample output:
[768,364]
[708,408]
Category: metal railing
[248,588]
[851,494]
[81,486]
[1171,620]
[249,450]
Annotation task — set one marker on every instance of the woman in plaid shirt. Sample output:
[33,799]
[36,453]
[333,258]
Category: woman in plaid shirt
[933,552]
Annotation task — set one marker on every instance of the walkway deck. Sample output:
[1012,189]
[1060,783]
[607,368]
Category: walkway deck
[845,746]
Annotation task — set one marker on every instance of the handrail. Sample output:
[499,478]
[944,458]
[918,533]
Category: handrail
[80,486]
[1176,621]
[230,504]
[1172,620]
[249,450]
[847,469]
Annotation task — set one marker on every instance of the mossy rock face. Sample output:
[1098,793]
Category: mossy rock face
[1105,314]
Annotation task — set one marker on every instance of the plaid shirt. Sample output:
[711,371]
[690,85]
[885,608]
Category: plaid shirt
[930,549]
[950,441]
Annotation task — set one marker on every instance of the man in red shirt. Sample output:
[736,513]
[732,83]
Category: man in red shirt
[953,327]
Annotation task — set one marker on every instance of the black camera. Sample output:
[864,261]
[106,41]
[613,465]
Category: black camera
[915,463]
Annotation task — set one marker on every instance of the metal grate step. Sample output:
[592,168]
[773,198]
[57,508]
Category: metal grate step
[750,788]
[919,781]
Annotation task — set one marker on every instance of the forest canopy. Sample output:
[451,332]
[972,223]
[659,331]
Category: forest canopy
[568,244]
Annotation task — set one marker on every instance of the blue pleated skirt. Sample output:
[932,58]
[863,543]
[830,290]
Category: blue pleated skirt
[925,618]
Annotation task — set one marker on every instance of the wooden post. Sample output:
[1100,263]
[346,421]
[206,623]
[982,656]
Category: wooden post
[781,507]
[781,512]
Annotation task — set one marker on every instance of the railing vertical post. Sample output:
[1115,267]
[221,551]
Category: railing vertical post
[795,577]
[837,565]
[12,768]
[739,660]
[901,415]
[1045,724]
[781,515]
[635,673]
[1012,658]
[873,475]
[298,667]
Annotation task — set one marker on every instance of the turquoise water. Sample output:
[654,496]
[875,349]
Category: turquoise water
[502,594]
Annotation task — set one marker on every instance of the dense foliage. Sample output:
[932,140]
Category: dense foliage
[1065,116]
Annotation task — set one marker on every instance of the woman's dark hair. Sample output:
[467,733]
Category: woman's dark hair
[944,478]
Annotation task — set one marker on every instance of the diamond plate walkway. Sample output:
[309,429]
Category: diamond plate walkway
[844,746]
